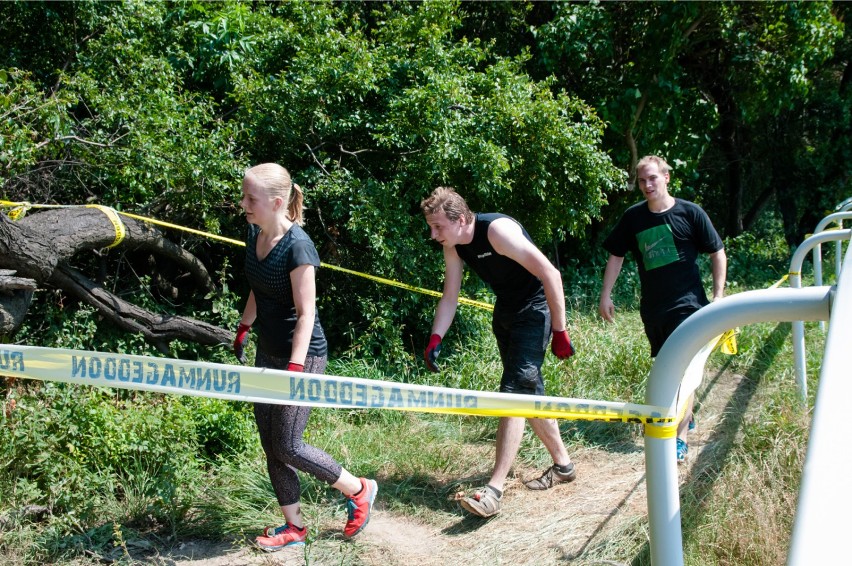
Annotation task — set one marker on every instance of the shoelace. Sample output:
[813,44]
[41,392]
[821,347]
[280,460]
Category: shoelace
[283,529]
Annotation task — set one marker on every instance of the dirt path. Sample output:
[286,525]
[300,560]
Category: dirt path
[535,528]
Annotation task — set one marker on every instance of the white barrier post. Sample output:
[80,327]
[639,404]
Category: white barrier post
[838,218]
[845,205]
[838,256]
[799,362]
[819,537]
[768,305]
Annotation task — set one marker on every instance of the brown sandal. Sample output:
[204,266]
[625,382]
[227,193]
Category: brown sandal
[552,477]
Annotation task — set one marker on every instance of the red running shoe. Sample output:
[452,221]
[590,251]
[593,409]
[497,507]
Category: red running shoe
[359,507]
[280,537]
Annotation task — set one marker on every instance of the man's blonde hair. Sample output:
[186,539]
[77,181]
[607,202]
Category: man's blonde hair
[448,201]
[658,161]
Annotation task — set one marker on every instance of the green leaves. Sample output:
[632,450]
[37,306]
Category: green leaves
[65,443]
[372,106]
[157,108]
[33,125]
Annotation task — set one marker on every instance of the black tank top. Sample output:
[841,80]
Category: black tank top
[514,286]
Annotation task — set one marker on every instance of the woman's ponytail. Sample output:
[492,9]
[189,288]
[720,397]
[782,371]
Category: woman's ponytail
[294,207]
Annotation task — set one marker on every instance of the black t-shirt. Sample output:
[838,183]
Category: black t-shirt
[514,286]
[666,246]
[269,278]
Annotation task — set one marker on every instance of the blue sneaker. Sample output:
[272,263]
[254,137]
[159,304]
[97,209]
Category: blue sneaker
[682,449]
[691,423]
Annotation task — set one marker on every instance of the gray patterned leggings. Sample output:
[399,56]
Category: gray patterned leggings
[281,428]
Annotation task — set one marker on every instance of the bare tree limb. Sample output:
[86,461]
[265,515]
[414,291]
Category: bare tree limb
[156,328]
[39,246]
[41,144]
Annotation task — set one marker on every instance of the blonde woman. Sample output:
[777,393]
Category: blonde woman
[281,263]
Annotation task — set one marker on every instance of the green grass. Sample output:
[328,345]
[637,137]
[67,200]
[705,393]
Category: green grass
[738,505]
[225,492]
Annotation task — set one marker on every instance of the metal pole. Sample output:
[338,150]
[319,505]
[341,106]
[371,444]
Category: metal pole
[818,536]
[838,256]
[817,281]
[838,218]
[842,207]
[766,305]
[845,205]
[799,362]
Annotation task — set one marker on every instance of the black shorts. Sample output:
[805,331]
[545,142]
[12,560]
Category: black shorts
[522,339]
[659,329]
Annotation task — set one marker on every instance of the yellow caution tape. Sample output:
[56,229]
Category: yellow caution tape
[669,430]
[462,300]
[261,385]
[727,343]
[183,228]
[661,431]
[405,286]
[117,224]
[780,281]
[28,205]
[19,212]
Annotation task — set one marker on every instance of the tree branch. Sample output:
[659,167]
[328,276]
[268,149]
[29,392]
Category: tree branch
[40,145]
[156,328]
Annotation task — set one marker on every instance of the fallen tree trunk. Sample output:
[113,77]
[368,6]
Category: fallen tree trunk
[37,249]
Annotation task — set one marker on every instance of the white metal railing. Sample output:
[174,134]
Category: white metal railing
[836,218]
[842,207]
[768,305]
[819,536]
[845,205]
[799,363]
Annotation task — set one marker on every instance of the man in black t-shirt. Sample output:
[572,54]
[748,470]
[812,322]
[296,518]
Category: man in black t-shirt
[665,236]
[530,307]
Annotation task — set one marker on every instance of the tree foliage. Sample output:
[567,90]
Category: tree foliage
[714,87]
[156,108]
[370,106]
[539,110]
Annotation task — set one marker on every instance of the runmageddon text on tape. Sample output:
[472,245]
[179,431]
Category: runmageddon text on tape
[263,385]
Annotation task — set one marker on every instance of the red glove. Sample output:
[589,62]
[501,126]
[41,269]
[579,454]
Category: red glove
[292,366]
[432,351]
[240,341]
[561,345]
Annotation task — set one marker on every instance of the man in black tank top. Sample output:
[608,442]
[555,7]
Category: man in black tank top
[530,307]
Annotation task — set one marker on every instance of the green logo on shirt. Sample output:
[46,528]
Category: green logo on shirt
[657,246]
